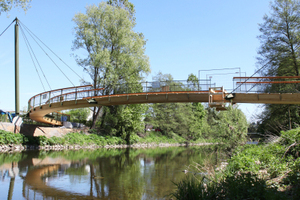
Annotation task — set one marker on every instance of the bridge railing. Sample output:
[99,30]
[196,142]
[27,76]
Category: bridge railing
[60,95]
[278,84]
[161,86]
[82,92]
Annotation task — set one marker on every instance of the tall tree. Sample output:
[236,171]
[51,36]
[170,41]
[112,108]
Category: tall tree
[184,119]
[115,52]
[280,39]
[6,5]
[279,52]
[78,115]
[229,127]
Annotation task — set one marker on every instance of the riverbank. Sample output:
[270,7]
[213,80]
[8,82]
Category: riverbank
[19,148]
[15,142]
[264,171]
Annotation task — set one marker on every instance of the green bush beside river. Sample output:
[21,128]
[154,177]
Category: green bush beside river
[265,171]
[82,139]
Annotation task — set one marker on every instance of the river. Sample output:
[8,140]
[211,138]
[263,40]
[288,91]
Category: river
[115,174]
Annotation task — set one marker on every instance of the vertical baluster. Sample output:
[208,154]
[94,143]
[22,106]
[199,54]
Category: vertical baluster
[49,97]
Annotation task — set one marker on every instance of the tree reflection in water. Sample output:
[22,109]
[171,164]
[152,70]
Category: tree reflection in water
[100,174]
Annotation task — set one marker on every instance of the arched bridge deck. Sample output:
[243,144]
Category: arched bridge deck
[148,92]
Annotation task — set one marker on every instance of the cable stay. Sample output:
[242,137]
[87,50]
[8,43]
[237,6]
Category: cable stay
[52,51]
[29,48]
[32,34]
[34,59]
[7,28]
[244,82]
[48,56]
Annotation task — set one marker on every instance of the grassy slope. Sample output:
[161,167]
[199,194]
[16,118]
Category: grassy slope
[86,139]
[267,171]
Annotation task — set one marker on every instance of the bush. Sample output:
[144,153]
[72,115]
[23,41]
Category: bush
[249,168]
[243,186]
[10,138]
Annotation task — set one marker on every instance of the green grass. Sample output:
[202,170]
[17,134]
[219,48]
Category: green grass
[268,171]
[158,137]
[85,139]
[10,138]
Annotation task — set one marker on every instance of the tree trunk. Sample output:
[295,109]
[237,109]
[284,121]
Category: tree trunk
[290,120]
[96,113]
[127,139]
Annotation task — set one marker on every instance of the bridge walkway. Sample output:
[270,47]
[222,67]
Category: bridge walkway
[149,92]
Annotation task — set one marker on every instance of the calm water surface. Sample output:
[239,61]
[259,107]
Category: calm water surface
[101,174]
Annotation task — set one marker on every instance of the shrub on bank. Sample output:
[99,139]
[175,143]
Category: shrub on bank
[158,137]
[242,186]
[10,138]
[269,171]
[84,139]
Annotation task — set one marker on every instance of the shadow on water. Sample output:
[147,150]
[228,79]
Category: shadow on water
[100,174]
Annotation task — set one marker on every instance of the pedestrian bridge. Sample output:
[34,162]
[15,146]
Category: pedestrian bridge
[247,91]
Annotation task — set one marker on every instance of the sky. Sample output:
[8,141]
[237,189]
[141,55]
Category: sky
[183,37]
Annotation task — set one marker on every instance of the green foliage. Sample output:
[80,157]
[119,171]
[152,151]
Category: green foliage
[253,158]
[280,38]
[278,53]
[190,189]
[157,137]
[123,121]
[243,186]
[10,138]
[79,115]
[115,57]
[11,157]
[183,119]
[6,5]
[86,139]
[179,118]
[80,139]
[275,159]
[293,180]
[277,118]
[290,137]
[253,172]
[228,127]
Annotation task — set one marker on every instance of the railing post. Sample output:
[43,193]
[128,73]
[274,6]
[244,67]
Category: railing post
[40,99]
[75,93]
[49,97]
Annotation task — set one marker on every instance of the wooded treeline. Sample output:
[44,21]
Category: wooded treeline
[279,53]
[115,55]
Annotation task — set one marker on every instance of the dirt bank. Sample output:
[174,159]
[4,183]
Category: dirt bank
[37,130]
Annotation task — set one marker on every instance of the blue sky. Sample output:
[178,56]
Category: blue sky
[183,37]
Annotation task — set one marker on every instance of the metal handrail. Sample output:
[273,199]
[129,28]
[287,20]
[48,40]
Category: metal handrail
[87,91]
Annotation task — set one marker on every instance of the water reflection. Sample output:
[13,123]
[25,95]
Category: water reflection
[101,174]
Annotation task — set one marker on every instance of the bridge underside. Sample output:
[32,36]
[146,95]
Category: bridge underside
[272,98]
[39,112]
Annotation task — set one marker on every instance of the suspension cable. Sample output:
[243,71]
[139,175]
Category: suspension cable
[51,50]
[253,74]
[49,57]
[7,28]
[29,48]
